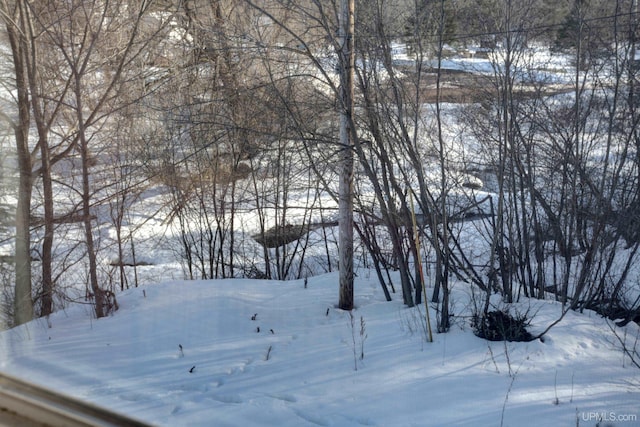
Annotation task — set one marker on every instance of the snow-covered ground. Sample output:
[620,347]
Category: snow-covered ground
[185,353]
[264,353]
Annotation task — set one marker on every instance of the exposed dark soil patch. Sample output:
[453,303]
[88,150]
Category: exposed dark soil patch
[462,87]
[118,263]
[71,218]
[282,234]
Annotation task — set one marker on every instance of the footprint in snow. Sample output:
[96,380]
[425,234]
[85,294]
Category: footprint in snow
[284,397]
[312,418]
[227,398]
[244,367]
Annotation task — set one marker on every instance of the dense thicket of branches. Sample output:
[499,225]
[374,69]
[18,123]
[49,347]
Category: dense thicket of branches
[520,179]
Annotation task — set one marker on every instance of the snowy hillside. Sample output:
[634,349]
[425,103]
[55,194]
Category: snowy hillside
[265,353]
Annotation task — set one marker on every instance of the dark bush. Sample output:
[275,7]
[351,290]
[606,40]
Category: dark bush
[501,326]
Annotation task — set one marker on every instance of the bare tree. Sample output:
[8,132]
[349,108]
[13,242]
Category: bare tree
[99,54]
[17,20]
[346,63]
[563,167]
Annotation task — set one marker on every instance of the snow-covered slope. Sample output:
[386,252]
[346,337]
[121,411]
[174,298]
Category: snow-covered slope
[189,354]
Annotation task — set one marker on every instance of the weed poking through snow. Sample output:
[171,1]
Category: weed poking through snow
[268,355]
[360,344]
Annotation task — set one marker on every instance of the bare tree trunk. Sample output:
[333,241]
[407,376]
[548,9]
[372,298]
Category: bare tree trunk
[440,216]
[23,305]
[47,241]
[345,199]
[98,293]
[43,128]
[23,301]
